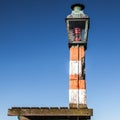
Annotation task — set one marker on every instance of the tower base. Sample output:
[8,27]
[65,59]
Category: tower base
[80,106]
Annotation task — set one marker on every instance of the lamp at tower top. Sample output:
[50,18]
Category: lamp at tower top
[77,26]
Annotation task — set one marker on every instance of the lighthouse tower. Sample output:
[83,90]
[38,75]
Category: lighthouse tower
[77,26]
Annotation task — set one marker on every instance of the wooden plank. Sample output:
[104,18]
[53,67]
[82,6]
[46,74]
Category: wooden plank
[49,112]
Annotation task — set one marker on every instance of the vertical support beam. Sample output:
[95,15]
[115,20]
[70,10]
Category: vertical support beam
[82,81]
[73,77]
[77,83]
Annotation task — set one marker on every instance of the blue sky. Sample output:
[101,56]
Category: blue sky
[34,55]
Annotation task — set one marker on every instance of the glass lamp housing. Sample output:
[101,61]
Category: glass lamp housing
[77,26]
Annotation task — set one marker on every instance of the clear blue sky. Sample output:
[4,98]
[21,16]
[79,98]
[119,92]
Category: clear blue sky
[34,55]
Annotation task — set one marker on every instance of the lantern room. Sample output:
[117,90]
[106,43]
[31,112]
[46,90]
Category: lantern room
[77,26]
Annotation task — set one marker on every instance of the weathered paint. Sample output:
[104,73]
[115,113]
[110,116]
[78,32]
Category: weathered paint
[80,67]
[77,53]
[73,96]
[77,86]
[42,113]
[75,67]
[81,52]
[82,84]
[82,96]
[74,77]
[74,53]
[73,84]
[82,92]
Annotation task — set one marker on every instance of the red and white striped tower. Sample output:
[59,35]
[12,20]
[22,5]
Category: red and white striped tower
[77,26]
[77,83]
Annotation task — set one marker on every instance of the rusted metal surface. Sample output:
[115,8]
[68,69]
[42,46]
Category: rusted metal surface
[63,111]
